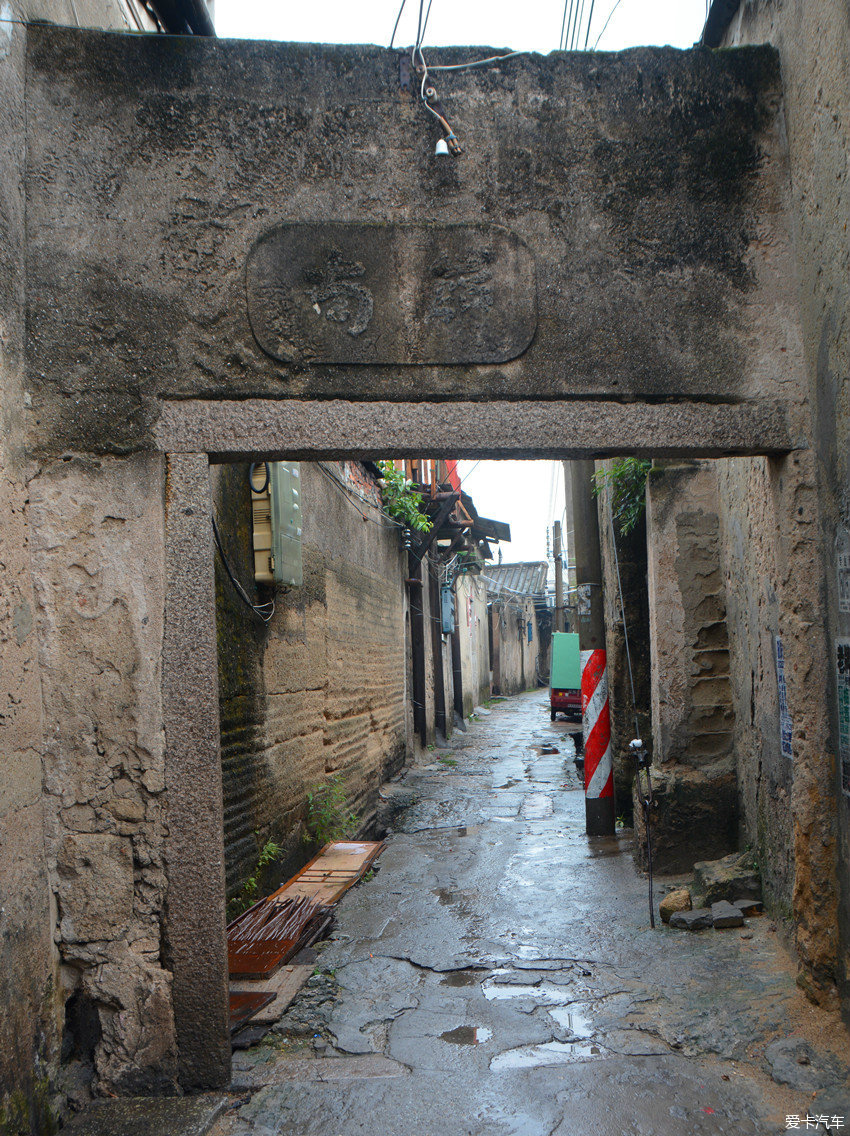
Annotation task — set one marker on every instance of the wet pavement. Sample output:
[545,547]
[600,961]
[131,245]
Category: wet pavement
[498,976]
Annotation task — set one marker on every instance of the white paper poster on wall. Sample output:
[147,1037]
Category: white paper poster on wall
[842,668]
[784,715]
[842,557]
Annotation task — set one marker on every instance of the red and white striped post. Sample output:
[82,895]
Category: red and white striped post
[598,762]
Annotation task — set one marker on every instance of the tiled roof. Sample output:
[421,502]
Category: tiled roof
[527,579]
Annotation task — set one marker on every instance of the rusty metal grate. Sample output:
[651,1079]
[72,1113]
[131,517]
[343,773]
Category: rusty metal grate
[271,932]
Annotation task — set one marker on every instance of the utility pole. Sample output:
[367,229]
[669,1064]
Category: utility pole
[559,577]
[596,721]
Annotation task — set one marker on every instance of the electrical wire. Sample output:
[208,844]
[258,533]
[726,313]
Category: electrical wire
[426,92]
[385,520]
[563,26]
[395,25]
[589,22]
[425,24]
[607,22]
[579,18]
[265,611]
[470,472]
[475,63]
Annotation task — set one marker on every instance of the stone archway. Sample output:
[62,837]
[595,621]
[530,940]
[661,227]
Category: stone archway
[258,255]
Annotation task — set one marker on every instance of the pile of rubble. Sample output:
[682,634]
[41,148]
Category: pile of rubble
[724,893]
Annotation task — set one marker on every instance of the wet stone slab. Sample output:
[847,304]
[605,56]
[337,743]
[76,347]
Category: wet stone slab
[499,977]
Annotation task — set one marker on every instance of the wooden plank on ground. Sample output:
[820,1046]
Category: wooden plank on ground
[332,872]
[284,986]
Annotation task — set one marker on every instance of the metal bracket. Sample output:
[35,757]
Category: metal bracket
[404,72]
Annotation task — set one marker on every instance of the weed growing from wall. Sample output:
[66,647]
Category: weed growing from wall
[401,500]
[328,815]
[627,480]
[241,902]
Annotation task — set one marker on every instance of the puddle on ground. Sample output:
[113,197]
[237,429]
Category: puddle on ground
[574,1019]
[462,978]
[600,846]
[467,1035]
[545,993]
[550,1053]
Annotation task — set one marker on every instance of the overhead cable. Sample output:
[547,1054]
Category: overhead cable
[607,22]
[395,25]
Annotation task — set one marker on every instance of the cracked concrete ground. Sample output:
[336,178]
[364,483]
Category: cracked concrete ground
[499,976]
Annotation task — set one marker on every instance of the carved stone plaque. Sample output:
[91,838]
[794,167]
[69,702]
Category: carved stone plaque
[363,293]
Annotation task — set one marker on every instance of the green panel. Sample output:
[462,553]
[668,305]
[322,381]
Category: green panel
[285,488]
[565,673]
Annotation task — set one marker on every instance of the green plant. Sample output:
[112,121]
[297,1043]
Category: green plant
[447,761]
[401,500]
[270,851]
[627,480]
[328,816]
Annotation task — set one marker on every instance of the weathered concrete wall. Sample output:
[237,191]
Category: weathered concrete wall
[471,592]
[692,708]
[31,1022]
[514,660]
[321,690]
[668,164]
[28,1033]
[813,41]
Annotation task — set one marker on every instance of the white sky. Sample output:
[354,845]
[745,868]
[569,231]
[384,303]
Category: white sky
[533,25]
[528,495]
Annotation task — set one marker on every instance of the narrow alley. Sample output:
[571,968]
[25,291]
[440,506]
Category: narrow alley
[499,975]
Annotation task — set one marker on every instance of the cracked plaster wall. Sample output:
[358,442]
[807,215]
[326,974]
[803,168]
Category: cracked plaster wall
[472,617]
[514,659]
[97,555]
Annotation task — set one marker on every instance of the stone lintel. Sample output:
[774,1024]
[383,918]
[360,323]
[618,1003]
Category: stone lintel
[309,431]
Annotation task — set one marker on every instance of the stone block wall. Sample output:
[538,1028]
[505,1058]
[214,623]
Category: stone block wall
[755,620]
[692,704]
[320,691]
